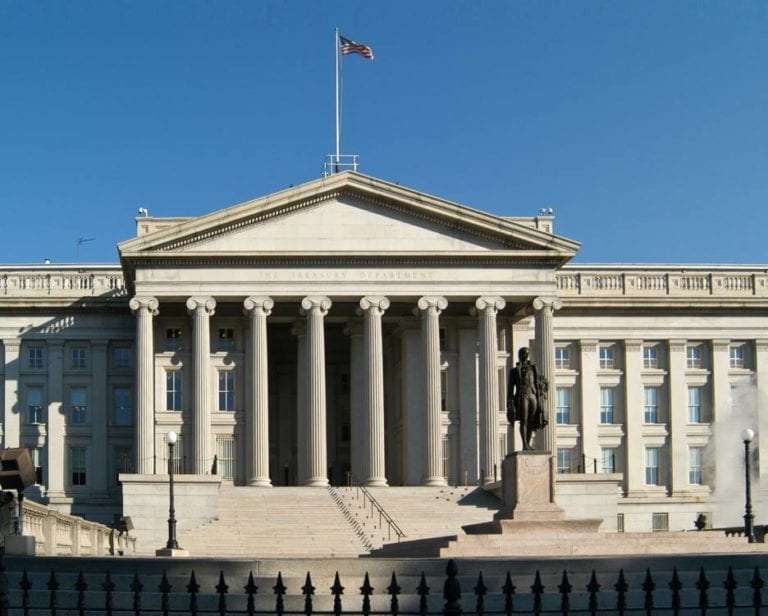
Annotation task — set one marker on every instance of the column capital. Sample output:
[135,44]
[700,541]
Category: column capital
[490,302]
[374,302]
[207,304]
[677,345]
[761,345]
[139,303]
[254,303]
[11,343]
[720,344]
[435,303]
[633,344]
[319,303]
[547,303]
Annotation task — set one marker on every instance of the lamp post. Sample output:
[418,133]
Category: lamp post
[746,436]
[172,543]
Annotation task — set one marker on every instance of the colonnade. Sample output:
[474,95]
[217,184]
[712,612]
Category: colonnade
[368,404]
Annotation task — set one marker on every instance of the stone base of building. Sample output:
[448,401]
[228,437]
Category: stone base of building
[20,545]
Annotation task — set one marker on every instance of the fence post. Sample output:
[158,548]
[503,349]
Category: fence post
[452,590]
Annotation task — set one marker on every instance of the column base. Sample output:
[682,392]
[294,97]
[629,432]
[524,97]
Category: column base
[376,482]
[436,482]
[316,482]
[260,483]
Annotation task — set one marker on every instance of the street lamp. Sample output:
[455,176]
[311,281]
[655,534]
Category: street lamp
[172,543]
[746,436]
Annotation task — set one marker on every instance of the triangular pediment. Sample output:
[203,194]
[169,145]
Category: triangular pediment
[346,213]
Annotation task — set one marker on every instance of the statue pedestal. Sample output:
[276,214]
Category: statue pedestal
[528,488]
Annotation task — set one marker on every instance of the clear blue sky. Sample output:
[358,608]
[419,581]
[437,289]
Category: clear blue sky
[643,124]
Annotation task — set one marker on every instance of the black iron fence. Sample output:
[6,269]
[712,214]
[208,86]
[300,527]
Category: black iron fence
[648,594]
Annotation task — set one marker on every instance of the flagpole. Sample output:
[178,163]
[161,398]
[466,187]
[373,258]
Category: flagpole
[338,120]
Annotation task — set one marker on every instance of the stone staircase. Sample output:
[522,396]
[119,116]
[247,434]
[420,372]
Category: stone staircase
[277,522]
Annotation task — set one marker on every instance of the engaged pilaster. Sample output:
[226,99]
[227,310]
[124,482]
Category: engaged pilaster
[487,308]
[545,355]
[430,308]
[145,308]
[201,309]
[315,309]
[257,418]
[373,308]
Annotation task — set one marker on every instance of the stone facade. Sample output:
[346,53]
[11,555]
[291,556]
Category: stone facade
[350,325]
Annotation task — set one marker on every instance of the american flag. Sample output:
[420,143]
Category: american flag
[348,46]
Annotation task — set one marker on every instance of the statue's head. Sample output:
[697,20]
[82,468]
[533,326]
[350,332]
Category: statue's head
[522,354]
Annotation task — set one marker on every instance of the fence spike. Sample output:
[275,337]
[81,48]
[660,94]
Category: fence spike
[222,589]
[53,586]
[366,590]
[538,591]
[165,588]
[648,586]
[452,590]
[279,590]
[593,588]
[81,587]
[703,586]
[250,590]
[565,589]
[621,587]
[308,590]
[423,592]
[757,586]
[136,588]
[337,590]
[480,591]
[675,585]
[394,590]
[25,586]
[730,590]
[193,588]
[509,591]
[108,586]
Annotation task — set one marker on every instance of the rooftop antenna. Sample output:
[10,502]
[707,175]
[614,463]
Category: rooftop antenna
[81,240]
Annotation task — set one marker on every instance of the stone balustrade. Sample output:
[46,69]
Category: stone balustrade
[64,281]
[655,281]
[61,534]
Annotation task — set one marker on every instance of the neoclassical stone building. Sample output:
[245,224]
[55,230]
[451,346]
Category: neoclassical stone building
[350,324]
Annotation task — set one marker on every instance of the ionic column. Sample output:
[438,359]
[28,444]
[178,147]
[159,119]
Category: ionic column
[100,453]
[145,308]
[430,308]
[11,411]
[486,308]
[302,415]
[57,456]
[201,309]
[545,356]
[357,397]
[373,308]
[315,309]
[257,417]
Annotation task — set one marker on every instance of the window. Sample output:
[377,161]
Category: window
[736,356]
[693,356]
[660,522]
[652,466]
[35,358]
[78,466]
[607,405]
[694,465]
[444,390]
[173,385]
[123,406]
[35,413]
[446,457]
[650,356]
[442,339]
[225,340]
[607,361]
[225,452]
[122,461]
[619,522]
[608,460]
[226,390]
[38,461]
[694,405]
[78,399]
[173,338]
[651,405]
[562,358]
[78,358]
[563,405]
[121,358]
[563,460]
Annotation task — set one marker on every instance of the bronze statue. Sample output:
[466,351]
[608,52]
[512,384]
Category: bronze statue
[524,398]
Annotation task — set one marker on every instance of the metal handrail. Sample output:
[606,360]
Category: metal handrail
[354,481]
